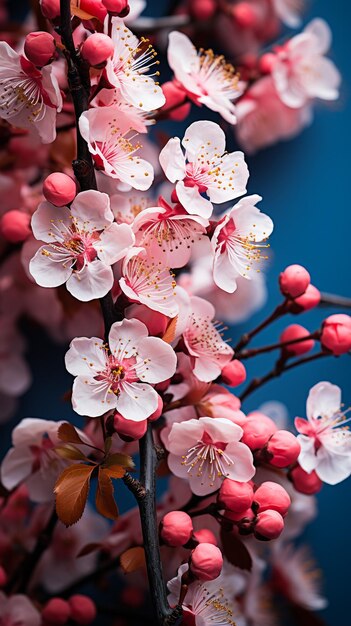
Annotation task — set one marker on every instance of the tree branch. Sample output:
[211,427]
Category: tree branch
[330,299]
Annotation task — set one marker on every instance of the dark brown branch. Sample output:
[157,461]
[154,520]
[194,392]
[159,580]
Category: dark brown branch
[247,354]
[245,339]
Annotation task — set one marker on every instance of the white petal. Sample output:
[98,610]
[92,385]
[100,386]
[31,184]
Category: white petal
[172,160]
[50,223]
[135,172]
[114,243]
[324,400]
[92,397]
[16,466]
[93,208]
[125,336]
[156,360]
[203,136]
[332,468]
[181,53]
[85,356]
[137,401]
[243,469]
[192,201]
[94,281]
[206,370]
[307,457]
[234,176]
[47,269]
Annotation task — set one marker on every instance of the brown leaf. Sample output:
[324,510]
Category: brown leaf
[71,491]
[68,434]
[132,559]
[115,471]
[78,12]
[235,551]
[70,452]
[119,459]
[105,502]
[169,335]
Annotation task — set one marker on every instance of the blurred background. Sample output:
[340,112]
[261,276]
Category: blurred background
[305,185]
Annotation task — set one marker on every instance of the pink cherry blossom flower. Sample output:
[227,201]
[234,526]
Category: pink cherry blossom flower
[17,610]
[206,77]
[289,11]
[205,168]
[237,242]
[121,375]
[302,72]
[109,138]
[30,98]
[168,233]
[138,119]
[127,206]
[207,450]
[128,69]
[324,439]
[149,282]
[204,342]
[81,244]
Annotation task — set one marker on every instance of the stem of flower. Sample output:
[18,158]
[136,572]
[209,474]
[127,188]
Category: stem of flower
[245,339]
[247,354]
[330,299]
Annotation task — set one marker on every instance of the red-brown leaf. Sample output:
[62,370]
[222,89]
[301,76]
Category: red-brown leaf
[235,551]
[71,489]
[170,333]
[105,502]
[132,559]
[68,434]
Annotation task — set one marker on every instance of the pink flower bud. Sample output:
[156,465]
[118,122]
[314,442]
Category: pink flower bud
[94,7]
[39,48]
[50,8]
[267,63]
[258,428]
[117,7]
[270,495]
[293,332]
[269,525]
[336,333]
[305,483]
[235,496]
[309,300]
[204,535]
[245,15]
[59,189]
[234,373]
[83,609]
[203,10]
[4,577]
[175,101]
[154,416]
[97,49]
[128,428]
[15,226]
[294,281]
[206,561]
[236,517]
[57,611]
[284,447]
[176,528]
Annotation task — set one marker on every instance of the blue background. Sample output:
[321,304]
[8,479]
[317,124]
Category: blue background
[304,184]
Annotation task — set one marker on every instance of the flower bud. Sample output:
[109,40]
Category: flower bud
[94,7]
[336,333]
[245,15]
[204,535]
[59,189]
[15,226]
[294,280]
[267,62]
[270,495]
[258,428]
[50,8]
[234,373]
[203,10]
[154,416]
[176,101]
[284,447]
[97,49]
[176,528]
[206,561]
[293,332]
[236,517]
[128,428]
[39,48]
[56,611]
[269,525]
[117,7]
[305,483]
[83,609]
[309,300]
[235,496]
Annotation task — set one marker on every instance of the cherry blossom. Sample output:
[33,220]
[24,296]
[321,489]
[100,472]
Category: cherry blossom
[207,450]
[18,610]
[109,136]
[129,67]
[82,243]
[30,98]
[206,77]
[204,342]
[237,242]
[289,11]
[121,375]
[302,72]
[324,439]
[204,169]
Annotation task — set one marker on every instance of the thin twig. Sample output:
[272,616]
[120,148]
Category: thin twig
[330,299]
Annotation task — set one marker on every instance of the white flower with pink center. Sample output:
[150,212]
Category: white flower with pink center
[128,70]
[119,376]
[29,98]
[204,342]
[169,233]
[325,439]
[238,241]
[206,77]
[148,281]
[206,450]
[205,168]
[302,72]
[109,138]
[81,244]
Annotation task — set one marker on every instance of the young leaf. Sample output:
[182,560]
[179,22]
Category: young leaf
[132,559]
[105,502]
[119,459]
[170,333]
[235,551]
[115,471]
[71,491]
[70,452]
[68,434]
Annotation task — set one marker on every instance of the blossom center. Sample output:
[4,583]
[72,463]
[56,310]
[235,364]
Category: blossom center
[208,459]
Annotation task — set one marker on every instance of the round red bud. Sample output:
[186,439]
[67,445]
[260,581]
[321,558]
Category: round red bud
[39,48]
[309,300]
[234,373]
[293,332]
[57,611]
[204,535]
[206,561]
[117,7]
[203,10]
[294,280]
[59,189]
[97,49]
[270,495]
[267,62]
[15,226]
[235,496]
[284,447]
[245,15]
[94,8]
[269,525]
[50,8]
[176,528]
[129,429]
[174,94]
[305,483]
[258,428]
[336,333]
[83,609]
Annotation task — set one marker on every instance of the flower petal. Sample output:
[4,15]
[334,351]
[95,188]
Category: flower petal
[156,360]
[86,357]
[94,281]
